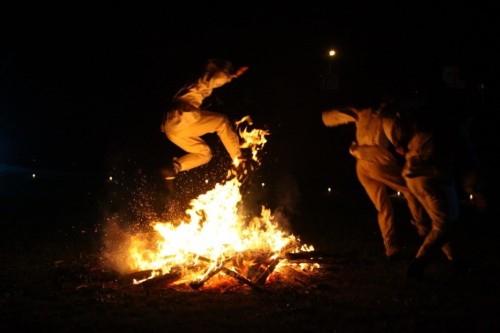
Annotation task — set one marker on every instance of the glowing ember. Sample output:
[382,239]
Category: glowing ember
[213,237]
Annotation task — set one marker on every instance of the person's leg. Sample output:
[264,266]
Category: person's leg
[198,151]
[368,173]
[392,177]
[437,203]
[186,134]
[213,122]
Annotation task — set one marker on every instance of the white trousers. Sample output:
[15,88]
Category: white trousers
[376,178]
[185,130]
[440,201]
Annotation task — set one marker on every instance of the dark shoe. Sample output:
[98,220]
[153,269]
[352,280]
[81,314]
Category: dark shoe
[416,269]
[169,173]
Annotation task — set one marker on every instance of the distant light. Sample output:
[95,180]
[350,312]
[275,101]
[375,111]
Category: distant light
[33,175]
[399,194]
[110,178]
[206,181]
[331,53]
[329,190]
[263,184]
[471,197]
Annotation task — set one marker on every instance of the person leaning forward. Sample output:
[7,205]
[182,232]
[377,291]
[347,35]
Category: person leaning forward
[376,167]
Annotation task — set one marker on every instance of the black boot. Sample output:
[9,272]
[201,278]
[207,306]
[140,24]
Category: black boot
[170,171]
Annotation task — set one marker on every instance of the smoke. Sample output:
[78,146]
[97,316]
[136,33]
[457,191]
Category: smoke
[116,246]
[118,242]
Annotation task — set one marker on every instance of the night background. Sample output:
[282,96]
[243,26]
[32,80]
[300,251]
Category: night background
[84,82]
[83,87]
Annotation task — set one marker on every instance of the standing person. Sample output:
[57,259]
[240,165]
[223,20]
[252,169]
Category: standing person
[185,123]
[434,148]
[376,167]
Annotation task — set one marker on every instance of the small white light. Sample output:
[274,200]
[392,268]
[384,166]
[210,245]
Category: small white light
[329,190]
[33,175]
[331,53]
[110,178]
[263,184]
[399,194]
[206,181]
[471,197]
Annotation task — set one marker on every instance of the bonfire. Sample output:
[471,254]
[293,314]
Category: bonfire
[213,244]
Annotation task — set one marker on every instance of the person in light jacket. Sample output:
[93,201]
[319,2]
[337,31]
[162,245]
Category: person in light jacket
[376,167]
[186,122]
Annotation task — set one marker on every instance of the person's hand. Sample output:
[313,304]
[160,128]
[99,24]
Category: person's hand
[240,71]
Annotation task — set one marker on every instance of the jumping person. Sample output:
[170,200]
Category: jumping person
[185,122]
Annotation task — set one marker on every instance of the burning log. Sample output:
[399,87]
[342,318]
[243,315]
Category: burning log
[146,278]
[164,279]
[257,273]
[264,271]
[252,268]
[240,278]
[140,275]
[255,266]
[200,283]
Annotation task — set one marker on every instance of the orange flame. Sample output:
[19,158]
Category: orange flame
[213,234]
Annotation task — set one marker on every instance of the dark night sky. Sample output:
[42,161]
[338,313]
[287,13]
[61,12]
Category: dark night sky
[81,83]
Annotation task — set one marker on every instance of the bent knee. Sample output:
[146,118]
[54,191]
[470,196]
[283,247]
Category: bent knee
[205,156]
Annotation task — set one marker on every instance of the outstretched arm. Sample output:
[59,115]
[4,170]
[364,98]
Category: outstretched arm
[240,71]
[337,117]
